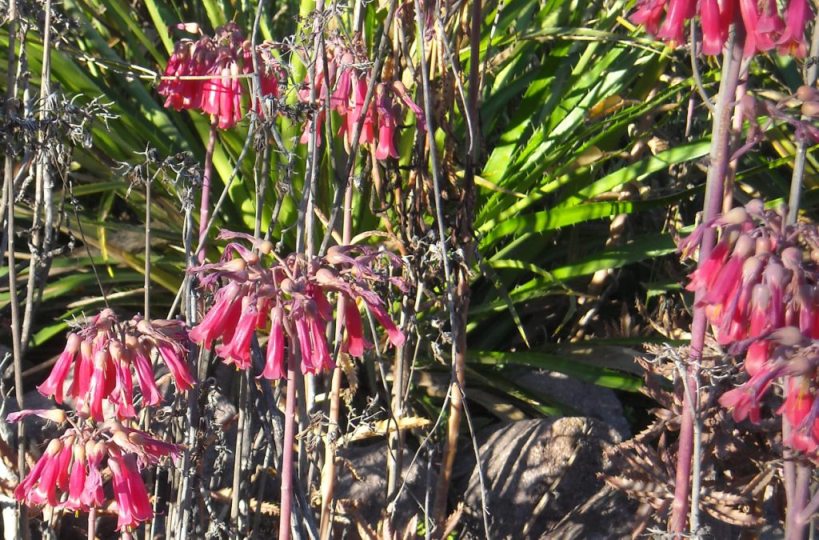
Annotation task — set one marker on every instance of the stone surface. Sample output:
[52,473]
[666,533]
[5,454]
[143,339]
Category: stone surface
[584,398]
[542,482]
[362,481]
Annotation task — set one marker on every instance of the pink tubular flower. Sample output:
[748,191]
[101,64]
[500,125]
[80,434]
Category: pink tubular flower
[757,357]
[356,344]
[713,31]
[93,495]
[77,481]
[320,360]
[50,473]
[274,362]
[305,346]
[705,275]
[359,93]
[133,505]
[800,408]
[68,476]
[175,357]
[237,350]
[650,14]
[340,99]
[350,84]
[144,371]
[798,401]
[92,403]
[769,313]
[728,279]
[673,29]
[387,122]
[148,450]
[744,401]
[224,313]
[764,28]
[53,385]
[759,25]
[222,93]
[123,394]
[792,40]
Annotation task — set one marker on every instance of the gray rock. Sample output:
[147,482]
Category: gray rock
[584,398]
[362,482]
[542,482]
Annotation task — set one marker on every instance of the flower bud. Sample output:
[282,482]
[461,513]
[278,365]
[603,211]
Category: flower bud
[787,336]
[335,255]
[735,216]
[191,28]
[755,207]
[54,447]
[325,276]
[806,93]
[72,344]
[792,258]
[763,245]
[810,108]
[265,246]
[235,265]
[287,285]
[744,247]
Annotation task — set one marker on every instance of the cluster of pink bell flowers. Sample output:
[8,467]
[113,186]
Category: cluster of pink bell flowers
[101,355]
[345,78]
[69,475]
[761,297]
[95,373]
[765,26]
[289,300]
[205,74]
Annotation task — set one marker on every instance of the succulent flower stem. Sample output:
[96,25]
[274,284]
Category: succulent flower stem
[720,157]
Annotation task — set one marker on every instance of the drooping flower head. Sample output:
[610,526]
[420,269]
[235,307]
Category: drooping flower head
[290,301]
[205,74]
[759,291]
[763,26]
[69,474]
[101,354]
[346,79]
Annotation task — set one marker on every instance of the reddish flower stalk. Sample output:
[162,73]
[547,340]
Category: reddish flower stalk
[720,157]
